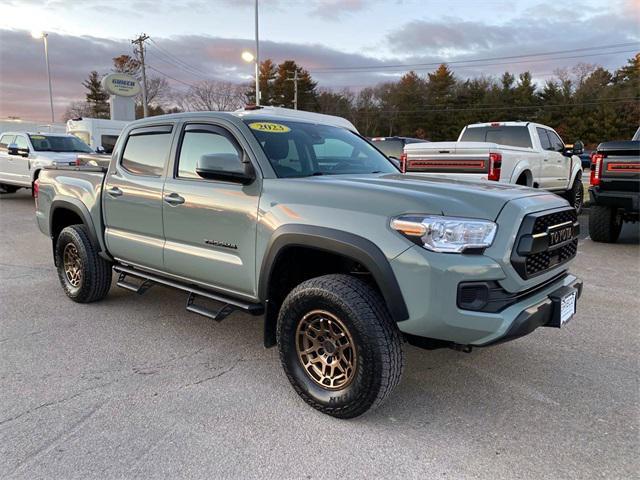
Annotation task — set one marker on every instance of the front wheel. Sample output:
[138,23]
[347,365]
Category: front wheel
[84,275]
[338,345]
[575,196]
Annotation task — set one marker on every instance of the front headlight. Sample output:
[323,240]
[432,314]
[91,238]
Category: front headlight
[446,234]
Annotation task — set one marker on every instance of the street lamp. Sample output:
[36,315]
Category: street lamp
[43,36]
[249,57]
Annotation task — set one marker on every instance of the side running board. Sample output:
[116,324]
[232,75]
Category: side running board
[229,304]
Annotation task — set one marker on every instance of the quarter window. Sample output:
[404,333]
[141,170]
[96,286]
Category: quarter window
[6,140]
[197,143]
[146,153]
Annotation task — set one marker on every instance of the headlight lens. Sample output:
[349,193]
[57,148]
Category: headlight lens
[446,234]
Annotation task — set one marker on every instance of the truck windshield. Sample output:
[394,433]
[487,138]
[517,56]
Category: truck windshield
[297,149]
[502,135]
[57,143]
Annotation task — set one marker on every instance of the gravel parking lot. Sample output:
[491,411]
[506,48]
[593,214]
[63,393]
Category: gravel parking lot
[135,387]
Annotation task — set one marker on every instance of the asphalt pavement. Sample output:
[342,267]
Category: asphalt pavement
[136,387]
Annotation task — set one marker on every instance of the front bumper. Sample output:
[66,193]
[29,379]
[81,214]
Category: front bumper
[429,282]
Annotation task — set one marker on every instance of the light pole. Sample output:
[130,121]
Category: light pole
[249,57]
[43,36]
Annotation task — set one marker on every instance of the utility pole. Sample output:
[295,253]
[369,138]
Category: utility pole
[257,60]
[140,51]
[295,88]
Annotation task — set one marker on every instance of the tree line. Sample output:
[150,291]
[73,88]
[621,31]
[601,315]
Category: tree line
[587,102]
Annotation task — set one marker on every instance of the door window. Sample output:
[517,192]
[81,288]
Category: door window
[146,152]
[556,142]
[21,142]
[544,139]
[197,142]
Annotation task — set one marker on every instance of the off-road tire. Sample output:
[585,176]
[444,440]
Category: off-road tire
[4,188]
[95,279]
[604,224]
[377,340]
[575,195]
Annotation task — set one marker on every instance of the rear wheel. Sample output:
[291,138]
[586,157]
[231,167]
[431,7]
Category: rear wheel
[4,188]
[338,345]
[84,275]
[605,224]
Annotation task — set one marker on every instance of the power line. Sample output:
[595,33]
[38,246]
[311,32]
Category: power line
[487,59]
[178,60]
[170,63]
[169,76]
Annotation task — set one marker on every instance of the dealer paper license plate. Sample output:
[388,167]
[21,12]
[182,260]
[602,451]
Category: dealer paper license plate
[567,307]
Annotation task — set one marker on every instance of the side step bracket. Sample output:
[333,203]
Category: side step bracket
[218,315]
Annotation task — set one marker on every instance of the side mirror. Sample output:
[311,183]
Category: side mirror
[100,150]
[228,167]
[578,148]
[13,149]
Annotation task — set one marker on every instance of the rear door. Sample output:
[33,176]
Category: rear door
[210,225]
[132,197]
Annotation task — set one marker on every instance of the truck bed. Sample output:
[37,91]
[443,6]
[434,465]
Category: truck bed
[81,186]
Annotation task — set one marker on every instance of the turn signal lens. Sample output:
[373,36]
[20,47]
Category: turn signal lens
[495,166]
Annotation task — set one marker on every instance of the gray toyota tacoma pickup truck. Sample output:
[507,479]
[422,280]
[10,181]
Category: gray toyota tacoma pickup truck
[296,217]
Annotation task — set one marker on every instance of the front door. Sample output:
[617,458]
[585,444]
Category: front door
[18,165]
[562,164]
[5,141]
[209,225]
[132,197]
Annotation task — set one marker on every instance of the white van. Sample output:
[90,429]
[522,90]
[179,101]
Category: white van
[99,133]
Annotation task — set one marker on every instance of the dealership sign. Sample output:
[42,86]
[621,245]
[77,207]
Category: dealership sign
[121,85]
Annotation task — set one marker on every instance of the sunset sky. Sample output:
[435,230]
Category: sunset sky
[199,39]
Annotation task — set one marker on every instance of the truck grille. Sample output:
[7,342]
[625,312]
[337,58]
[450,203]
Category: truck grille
[545,241]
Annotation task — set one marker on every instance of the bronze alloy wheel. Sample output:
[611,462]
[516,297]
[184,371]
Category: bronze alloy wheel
[72,265]
[326,350]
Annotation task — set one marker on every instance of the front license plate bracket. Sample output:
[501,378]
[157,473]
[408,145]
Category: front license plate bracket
[564,306]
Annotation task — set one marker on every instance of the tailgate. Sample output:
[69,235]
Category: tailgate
[449,157]
[620,166]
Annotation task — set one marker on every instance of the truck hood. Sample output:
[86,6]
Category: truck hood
[395,194]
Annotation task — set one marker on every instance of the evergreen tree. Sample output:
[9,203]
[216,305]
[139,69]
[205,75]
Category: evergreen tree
[283,88]
[97,98]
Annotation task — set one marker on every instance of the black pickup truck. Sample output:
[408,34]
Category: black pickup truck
[615,188]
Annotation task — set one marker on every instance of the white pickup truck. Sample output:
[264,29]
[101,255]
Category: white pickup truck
[23,155]
[522,153]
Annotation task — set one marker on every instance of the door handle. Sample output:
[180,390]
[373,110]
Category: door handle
[174,199]
[114,192]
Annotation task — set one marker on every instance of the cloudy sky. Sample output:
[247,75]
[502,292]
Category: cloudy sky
[344,43]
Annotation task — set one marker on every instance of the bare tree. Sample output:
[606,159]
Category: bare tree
[77,110]
[212,95]
[158,91]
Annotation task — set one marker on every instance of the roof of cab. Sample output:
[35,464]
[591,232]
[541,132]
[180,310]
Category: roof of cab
[48,134]
[263,113]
